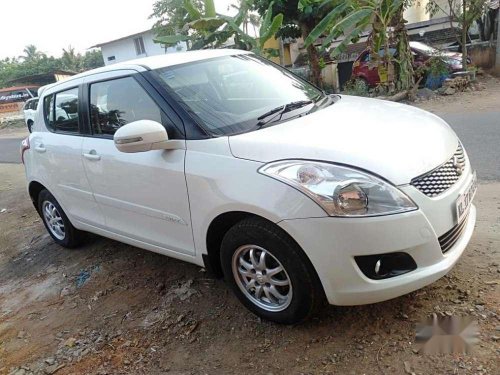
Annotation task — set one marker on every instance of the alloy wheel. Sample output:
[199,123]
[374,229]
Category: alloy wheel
[262,278]
[54,220]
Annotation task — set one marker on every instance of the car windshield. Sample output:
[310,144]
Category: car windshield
[231,94]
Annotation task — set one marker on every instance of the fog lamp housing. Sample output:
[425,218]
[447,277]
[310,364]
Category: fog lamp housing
[385,266]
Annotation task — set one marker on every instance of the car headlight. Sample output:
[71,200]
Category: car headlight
[340,190]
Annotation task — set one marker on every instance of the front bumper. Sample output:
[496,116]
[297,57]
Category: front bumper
[332,243]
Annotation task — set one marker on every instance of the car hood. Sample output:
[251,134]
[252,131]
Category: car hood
[395,141]
[453,55]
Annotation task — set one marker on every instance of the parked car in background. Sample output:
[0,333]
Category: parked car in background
[29,110]
[364,71]
[225,160]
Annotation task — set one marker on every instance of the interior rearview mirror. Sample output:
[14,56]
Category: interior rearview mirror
[142,135]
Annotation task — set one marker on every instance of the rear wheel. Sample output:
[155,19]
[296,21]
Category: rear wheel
[269,273]
[57,223]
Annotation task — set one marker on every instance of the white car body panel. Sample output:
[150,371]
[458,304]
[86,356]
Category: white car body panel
[142,195]
[389,139]
[165,200]
[219,183]
[70,185]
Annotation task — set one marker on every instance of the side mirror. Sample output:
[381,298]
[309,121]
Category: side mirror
[141,136]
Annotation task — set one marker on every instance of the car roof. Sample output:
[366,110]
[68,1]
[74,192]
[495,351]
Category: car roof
[153,62]
[162,61]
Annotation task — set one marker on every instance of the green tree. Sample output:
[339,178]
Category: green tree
[31,53]
[300,17]
[463,13]
[348,19]
[34,62]
[92,59]
[172,15]
[70,59]
[205,28]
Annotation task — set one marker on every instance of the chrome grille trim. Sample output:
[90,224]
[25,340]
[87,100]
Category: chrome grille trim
[443,177]
[450,238]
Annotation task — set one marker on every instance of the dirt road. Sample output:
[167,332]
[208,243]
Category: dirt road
[111,308]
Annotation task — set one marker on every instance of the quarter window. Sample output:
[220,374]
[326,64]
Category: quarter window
[48,111]
[118,102]
[66,111]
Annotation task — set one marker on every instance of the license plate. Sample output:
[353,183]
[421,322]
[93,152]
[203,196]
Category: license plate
[464,200]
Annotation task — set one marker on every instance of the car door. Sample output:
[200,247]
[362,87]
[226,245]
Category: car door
[143,195]
[366,71]
[59,166]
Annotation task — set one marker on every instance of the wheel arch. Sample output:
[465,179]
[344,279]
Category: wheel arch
[225,221]
[216,232]
[34,189]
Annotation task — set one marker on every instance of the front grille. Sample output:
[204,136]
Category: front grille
[447,240]
[442,178]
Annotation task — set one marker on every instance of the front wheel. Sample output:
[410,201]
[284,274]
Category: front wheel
[269,272]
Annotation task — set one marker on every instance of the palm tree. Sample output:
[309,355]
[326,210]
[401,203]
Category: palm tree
[31,53]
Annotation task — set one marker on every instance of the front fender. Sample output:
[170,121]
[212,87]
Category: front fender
[218,184]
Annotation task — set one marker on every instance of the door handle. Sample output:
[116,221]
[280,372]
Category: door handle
[40,148]
[92,155]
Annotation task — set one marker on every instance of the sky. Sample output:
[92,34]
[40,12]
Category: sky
[52,25]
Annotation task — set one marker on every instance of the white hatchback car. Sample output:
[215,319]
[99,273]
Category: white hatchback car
[223,159]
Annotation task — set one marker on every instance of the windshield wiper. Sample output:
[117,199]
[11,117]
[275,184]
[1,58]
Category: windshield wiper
[279,112]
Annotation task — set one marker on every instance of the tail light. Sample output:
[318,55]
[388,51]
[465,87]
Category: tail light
[25,145]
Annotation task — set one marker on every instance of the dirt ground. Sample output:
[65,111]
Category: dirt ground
[485,97]
[109,308]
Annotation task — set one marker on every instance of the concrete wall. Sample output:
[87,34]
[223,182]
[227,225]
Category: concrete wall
[482,54]
[124,49]
[417,13]
[329,75]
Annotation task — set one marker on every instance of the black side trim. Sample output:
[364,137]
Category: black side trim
[192,130]
[450,238]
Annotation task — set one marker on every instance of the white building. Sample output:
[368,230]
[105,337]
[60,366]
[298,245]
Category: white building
[135,46]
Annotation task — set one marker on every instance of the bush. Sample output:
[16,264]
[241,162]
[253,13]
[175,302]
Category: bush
[357,87]
[436,71]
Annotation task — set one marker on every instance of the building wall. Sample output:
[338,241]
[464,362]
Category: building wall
[124,49]
[417,13]
[274,44]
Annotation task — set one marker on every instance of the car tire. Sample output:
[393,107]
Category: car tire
[288,296]
[56,222]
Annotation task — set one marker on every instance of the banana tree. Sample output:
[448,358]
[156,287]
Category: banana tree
[349,19]
[209,28]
